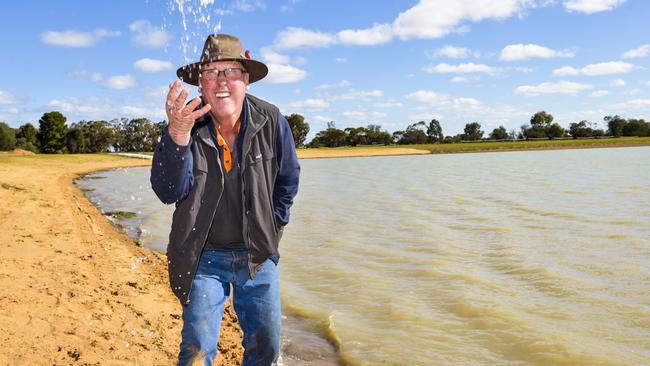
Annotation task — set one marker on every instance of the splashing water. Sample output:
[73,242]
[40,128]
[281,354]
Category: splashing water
[198,19]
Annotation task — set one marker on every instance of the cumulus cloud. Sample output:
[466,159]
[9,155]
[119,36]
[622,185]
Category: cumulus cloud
[147,35]
[283,74]
[426,20]
[566,71]
[358,114]
[599,93]
[516,52]
[455,52]
[74,38]
[378,34]
[465,68]
[435,19]
[607,68]
[632,104]
[119,82]
[560,87]
[341,60]
[7,98]
[592,6]
[340,84]
[617,83]
[389,104]
[310,105]
[151,65]
[104,108]
[603,68]
[641,51]
[294,37]
[358,95]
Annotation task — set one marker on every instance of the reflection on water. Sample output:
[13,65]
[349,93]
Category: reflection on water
[514,258]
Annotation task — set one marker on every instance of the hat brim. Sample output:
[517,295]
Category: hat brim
[256,70]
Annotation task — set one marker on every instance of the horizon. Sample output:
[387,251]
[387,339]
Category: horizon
[494,62]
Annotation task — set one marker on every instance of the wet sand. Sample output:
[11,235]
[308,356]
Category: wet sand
[73,287]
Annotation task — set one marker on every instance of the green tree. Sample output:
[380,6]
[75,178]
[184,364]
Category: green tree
[52,133]
[7,137]
[580,129]
[414,134]
[541,119]
[331,137]
[299,128]
[434,131]
[378,137]
[636,127]
[74,140]
[472,131]
[554,131]
[499,133]
[26,137]
[138,134]
[615,125]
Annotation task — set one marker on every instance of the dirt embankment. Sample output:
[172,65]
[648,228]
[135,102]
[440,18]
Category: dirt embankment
[73,288]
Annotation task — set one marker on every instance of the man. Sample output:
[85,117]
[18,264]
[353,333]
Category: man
[230,167]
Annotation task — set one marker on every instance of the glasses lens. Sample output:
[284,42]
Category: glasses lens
[230,73]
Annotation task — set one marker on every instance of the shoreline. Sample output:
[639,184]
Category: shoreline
[75,288]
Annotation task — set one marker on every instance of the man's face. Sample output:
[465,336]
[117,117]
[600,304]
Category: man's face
[225,93]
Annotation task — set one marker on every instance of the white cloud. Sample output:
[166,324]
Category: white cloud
[283,74]
[73,38]
[647,83]
[310,105]
[104,108]
[435,19]
[151,65]
[516,52]
[7,98]
[607,68]
[471,67]
[299,60]
[599,93]
[455,52]
[341,60]
[591,6]
[617,83]
[566,71]
[340,84]
[358,114]
[147,35]
[642,51]
[632,104]
[603,68]
[358,95]
[378,34]
[294,37]
[119,82]
[560,87]
[389,104]
[248,6]
[462,79]
[270,56]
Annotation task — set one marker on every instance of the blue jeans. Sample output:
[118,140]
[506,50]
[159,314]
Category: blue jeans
[256,302]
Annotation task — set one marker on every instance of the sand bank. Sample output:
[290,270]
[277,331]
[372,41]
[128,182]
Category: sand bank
[73,287]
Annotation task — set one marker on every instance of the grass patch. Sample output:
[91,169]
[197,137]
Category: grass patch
[121,215]
[87,189]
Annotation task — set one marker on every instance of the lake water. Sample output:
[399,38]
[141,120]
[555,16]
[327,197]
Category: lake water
[512,258]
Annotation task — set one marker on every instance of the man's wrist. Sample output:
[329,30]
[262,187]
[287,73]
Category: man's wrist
[180,138]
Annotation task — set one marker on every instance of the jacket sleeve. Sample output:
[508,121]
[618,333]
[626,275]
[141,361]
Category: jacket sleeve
[171,170]
[286,182]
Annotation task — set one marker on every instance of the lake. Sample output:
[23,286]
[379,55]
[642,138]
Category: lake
[508,258]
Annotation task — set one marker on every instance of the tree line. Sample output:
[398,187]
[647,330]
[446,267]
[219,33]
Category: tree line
[54,136]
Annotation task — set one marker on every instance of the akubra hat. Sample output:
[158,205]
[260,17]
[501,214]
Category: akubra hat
[223,47]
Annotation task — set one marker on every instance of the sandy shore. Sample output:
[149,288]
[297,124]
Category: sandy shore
[73,288]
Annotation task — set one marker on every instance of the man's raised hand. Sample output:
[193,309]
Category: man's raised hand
[181,117]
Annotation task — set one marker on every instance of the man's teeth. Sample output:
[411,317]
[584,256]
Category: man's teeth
[222,94]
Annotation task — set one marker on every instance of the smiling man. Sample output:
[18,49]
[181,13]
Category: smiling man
[228,161]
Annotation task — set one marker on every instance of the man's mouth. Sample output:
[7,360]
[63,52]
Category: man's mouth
[223,94]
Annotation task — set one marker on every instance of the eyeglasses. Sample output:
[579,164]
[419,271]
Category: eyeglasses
[231,74]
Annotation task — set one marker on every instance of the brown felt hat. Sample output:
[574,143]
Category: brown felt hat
[223,47]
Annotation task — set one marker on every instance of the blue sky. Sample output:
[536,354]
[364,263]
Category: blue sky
[390,63]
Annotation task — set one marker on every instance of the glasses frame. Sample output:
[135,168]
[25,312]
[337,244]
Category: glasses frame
[227,73]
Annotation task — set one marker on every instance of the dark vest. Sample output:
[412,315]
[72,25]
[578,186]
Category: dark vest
[194,214]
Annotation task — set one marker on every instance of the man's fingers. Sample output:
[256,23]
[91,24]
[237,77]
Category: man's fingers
[191,106]
[171,95]
[180,100]
[198,114]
